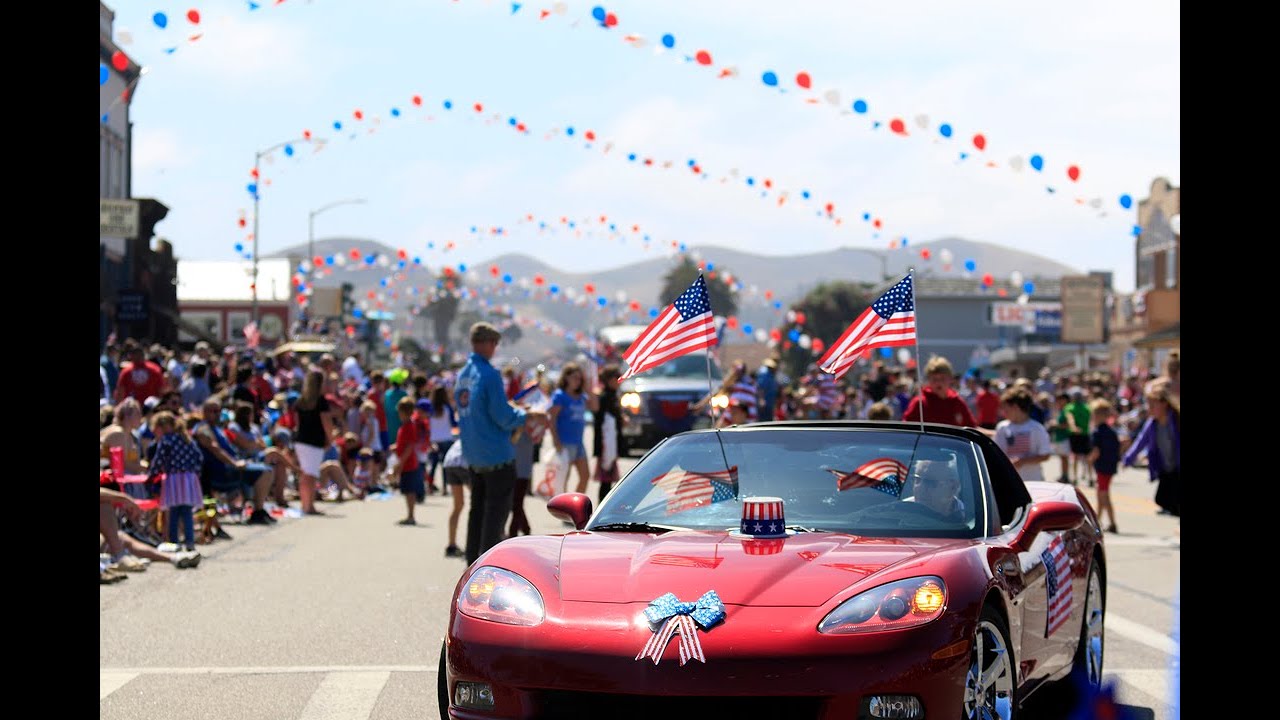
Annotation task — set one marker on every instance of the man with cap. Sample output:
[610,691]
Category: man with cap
[487,420]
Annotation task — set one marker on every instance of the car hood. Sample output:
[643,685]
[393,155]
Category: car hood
[659,385]
[804,570]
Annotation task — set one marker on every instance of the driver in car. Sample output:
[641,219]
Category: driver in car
[935,486]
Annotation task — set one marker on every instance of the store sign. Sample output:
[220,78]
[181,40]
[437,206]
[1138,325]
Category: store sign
[132,306]
[1027,316]
[119,218]
[1083,298]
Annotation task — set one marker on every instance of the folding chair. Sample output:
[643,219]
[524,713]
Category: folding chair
[151,525]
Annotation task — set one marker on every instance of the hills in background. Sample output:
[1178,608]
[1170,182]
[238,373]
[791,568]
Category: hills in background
[789,277]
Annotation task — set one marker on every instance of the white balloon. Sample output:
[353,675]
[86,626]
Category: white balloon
[1175,224]
[560,8]
[806,342]
[945,256]
[832,97]
[305,265]
[922,121]
[1015,162]
[620,296]
[124,37]
[383,260]
[761,336]
[570,293]
[1023,299]
[1015,278]
[904,355]
[791,316]
[339,260]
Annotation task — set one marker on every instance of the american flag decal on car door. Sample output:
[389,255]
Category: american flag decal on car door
[1057,583]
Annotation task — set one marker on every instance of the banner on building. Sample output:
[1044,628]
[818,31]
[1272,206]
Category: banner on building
[1083,298]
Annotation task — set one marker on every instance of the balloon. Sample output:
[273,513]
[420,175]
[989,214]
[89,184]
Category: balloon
[898,126]
[703,57]
[775,334]
[539,280]
[669,40]
[806,342]
[970,265]
[252,188]
[945,255]
[770,79]
[746,329]
[832,97]
[1029,287]
[980,141]
[634,306]
[160,19]
[800,318]
[507,278]
[818,345]
[802,79]
[1015,278]
[288,150]
[988,279]
[1073,172]
[1002,292]
[791,316]
[793,335]
[944,130]
[924,253]
[1015,163]
[194,16]
[493,270]
[761,335]
[328,260]
[860,106]
[1126,201]
[239,247]
[610,20]
[1037,163]
[731,322]
[119,61]
[103,74]
[597,12]
[653,312]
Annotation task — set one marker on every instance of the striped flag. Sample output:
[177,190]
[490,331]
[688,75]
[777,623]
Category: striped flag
[685,326]
[889,322]
[686,489]
[884,474]
[1057,583]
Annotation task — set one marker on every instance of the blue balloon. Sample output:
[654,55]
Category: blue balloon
[103,73]
[860,106]
[804,194]
[288,150]
[866,216]
[777,304]
[395,112]
[462,267]
[602,302]
[1126,202]
[683,247]
[746,329]
[794,335]
[507,278]
[886,352]
[553,289]
[1137,230]
[357,312]
[401,264]
[944,130]
[631,157]
[431,245]
[711,266]
[383,282]
[104,118]
[1037,163]
[692,162]
[252,188]
[328,260]
[751,181]
[669,40]
[417,260]
[1029,287]
[904,242]
[770,79]
[239,247]
[370,259]
[448,104]
[653,312]
[970,265]
[598,13]
[511,121]
[160,19]
[337,125]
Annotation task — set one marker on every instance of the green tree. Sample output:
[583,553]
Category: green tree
[827,311]
[724,301]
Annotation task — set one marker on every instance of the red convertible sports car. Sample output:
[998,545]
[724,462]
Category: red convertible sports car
[787,570]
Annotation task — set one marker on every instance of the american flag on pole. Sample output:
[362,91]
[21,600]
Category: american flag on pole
[686,489]
[884,474]
[1057,583]
[889,322]
[685,326]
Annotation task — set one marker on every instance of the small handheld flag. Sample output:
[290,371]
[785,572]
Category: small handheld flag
[685,326]
[889,322]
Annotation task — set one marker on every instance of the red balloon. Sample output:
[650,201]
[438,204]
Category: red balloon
[768,294]
[799,317]
[317,261]
[711,275]
[1002,292]
[351,331]
[403,255]
[306,134]
[493,270]
[417,99]
[924,254]
[731,321]
[610,20]
[590,288]
[119,60]
[240,222]
[775,334]
[768,183]
[980,141]
[355,254]
[818,346]
[194,16]
[590,135]
[1073,172]
[371,294]
[703,57]
[803,80]
[538,280]
[479,107]
[876,222]
[357,114]
[635,306]
[988,279]
[830,208]
[898,126]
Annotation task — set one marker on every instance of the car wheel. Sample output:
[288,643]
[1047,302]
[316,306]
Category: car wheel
[442,684]
[1087,669]
[990,686]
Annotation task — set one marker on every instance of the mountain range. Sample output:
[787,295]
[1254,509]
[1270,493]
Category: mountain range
[789,277]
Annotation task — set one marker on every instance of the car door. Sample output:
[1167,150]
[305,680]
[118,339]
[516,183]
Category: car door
[1048,602]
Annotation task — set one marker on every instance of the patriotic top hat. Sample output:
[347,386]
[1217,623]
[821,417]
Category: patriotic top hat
[762,517]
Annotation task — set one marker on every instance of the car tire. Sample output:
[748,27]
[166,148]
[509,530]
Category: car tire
[442,684]
[1086,670]
[991,656]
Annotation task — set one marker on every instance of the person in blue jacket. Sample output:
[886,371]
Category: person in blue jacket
[1160,441]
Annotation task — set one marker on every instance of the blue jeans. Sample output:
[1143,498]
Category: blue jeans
[186,515]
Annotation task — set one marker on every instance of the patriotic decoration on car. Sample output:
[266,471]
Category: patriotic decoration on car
[763,517]
[687,489]
[1057,583]
[668,616]
[884,474]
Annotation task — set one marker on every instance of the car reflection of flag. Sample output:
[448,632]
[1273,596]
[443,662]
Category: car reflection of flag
[884,474]
[686,489]
[1057,581]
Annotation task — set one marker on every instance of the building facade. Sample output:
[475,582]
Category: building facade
[1147,324]
[215,301]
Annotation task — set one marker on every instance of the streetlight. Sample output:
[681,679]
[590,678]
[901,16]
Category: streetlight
[311,222]
[257,160]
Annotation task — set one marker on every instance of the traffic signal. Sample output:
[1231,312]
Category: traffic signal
[348,305]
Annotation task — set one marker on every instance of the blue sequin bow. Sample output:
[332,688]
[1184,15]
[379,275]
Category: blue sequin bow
[668,616]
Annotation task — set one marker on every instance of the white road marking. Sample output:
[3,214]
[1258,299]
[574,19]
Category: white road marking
[276,670]
[1153,683]
[1140,633]
[111,681]
[345,695]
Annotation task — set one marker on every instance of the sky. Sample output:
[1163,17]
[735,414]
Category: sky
[1092,84]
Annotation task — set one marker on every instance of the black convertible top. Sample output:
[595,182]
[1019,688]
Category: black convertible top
[1007,486]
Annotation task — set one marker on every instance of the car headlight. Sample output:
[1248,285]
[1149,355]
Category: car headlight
[892,606]
[630,401]
[720,402]
[501,596]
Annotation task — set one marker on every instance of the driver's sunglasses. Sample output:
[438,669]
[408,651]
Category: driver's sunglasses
[927,480]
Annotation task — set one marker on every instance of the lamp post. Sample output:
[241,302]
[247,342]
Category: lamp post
[257,178]
[311,222]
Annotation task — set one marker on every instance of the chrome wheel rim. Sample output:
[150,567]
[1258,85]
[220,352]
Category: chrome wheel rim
[988,686]
[1093,631]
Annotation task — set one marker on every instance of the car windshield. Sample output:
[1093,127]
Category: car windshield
[691,365]
[882,483]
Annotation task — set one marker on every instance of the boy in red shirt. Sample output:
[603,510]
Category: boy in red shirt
[422,425]
[141,378]
[942,404]
[406,452]
[988,406]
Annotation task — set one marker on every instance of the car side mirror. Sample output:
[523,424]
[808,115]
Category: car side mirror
[573,507]
[1045,517]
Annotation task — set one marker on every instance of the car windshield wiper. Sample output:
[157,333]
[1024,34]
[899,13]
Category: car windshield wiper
[636,527]
[801,528]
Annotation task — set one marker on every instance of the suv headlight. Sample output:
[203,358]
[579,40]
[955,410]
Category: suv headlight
[499,595]
[630,401]
[892,606]
[720,402]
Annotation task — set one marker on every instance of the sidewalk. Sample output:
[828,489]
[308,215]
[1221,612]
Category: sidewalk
[1132,494]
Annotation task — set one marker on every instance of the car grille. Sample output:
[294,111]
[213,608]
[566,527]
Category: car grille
[674,409]
[565,704]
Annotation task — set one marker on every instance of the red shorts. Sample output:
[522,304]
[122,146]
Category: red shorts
[1104,482]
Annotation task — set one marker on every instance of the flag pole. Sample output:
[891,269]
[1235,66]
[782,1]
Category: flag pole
[711,398]
[911,271]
